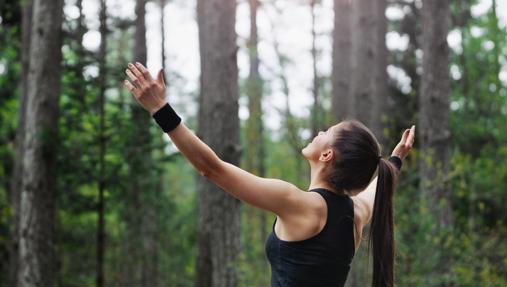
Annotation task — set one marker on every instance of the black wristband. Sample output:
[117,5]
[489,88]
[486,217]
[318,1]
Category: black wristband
[167,118]
[396,161]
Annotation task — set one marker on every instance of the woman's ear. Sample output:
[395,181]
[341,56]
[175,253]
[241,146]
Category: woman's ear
[326,155]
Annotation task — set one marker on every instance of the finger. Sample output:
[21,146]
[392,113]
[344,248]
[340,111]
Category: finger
[136,71]
[131,88]
[411,136]
[144,71]
[405,135]
[160,77]
[129,85]
[135,80]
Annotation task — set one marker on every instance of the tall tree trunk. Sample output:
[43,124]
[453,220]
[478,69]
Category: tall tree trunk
[256,109]
[219,213]
[360,68]
[140,50]
[255,152]
[380,97]
[462,18]
[316,110]
[37,204]
[434,119]
[363,47]
[162,48]
[141,219]
[162,28]
[342,101]
[80,52]
[408,61]
[16,179]
[497,50]
[102,146]
[254,93]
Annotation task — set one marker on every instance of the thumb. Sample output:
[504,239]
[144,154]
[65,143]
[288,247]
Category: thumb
[160,77]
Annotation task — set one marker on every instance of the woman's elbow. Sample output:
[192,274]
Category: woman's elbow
[211,167]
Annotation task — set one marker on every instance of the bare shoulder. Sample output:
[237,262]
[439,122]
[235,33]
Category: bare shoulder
[305,224]
[315,202]
[310,206]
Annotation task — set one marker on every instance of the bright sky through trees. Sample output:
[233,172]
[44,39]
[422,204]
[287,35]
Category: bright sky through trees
[291,28]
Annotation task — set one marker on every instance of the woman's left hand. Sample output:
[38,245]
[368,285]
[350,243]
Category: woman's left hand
[405,145]
[149,93]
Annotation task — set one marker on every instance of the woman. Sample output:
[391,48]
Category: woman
[315,233]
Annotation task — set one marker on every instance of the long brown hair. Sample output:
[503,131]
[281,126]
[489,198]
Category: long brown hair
[355,166]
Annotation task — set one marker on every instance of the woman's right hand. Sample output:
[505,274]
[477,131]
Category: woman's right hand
[405,145]
[149,92]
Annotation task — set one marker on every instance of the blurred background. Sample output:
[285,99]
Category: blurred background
[92,193]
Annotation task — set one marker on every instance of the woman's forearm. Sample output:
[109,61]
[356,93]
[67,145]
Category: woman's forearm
[202,157]
[150,94]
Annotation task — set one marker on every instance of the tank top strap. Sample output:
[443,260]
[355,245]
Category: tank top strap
[338,204]
[329,195]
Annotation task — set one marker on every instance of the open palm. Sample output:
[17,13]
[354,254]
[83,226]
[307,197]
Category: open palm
[149,92]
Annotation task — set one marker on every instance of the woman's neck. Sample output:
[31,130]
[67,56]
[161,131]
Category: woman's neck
[317,178]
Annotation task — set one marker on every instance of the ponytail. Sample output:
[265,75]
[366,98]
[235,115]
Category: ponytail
[381,235]
[353,170]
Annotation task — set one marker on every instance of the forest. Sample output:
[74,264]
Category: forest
[93,193]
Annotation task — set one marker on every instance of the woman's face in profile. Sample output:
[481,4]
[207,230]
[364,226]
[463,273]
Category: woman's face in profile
[320,143]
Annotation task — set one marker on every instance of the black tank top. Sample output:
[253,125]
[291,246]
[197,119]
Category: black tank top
[319,261]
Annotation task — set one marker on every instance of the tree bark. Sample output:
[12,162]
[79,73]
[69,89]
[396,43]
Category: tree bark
[142,262]
[342,101]
[254,93]
[255,152]
[219,213]
[140,50]
[497,48]
[37,204]
[162,28]
[434,104]
[316,110]
[434,133]
[19,151]
[408,61]
[363,47]
[362,72]
[80,52]
[381,108]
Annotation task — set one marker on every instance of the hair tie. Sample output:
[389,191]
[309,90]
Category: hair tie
[379,157]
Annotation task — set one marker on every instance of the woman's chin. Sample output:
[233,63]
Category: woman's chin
[305,151]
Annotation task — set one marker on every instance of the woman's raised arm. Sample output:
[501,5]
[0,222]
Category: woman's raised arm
[278,196]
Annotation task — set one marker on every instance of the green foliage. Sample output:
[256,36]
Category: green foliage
[477,176]
[9,93]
